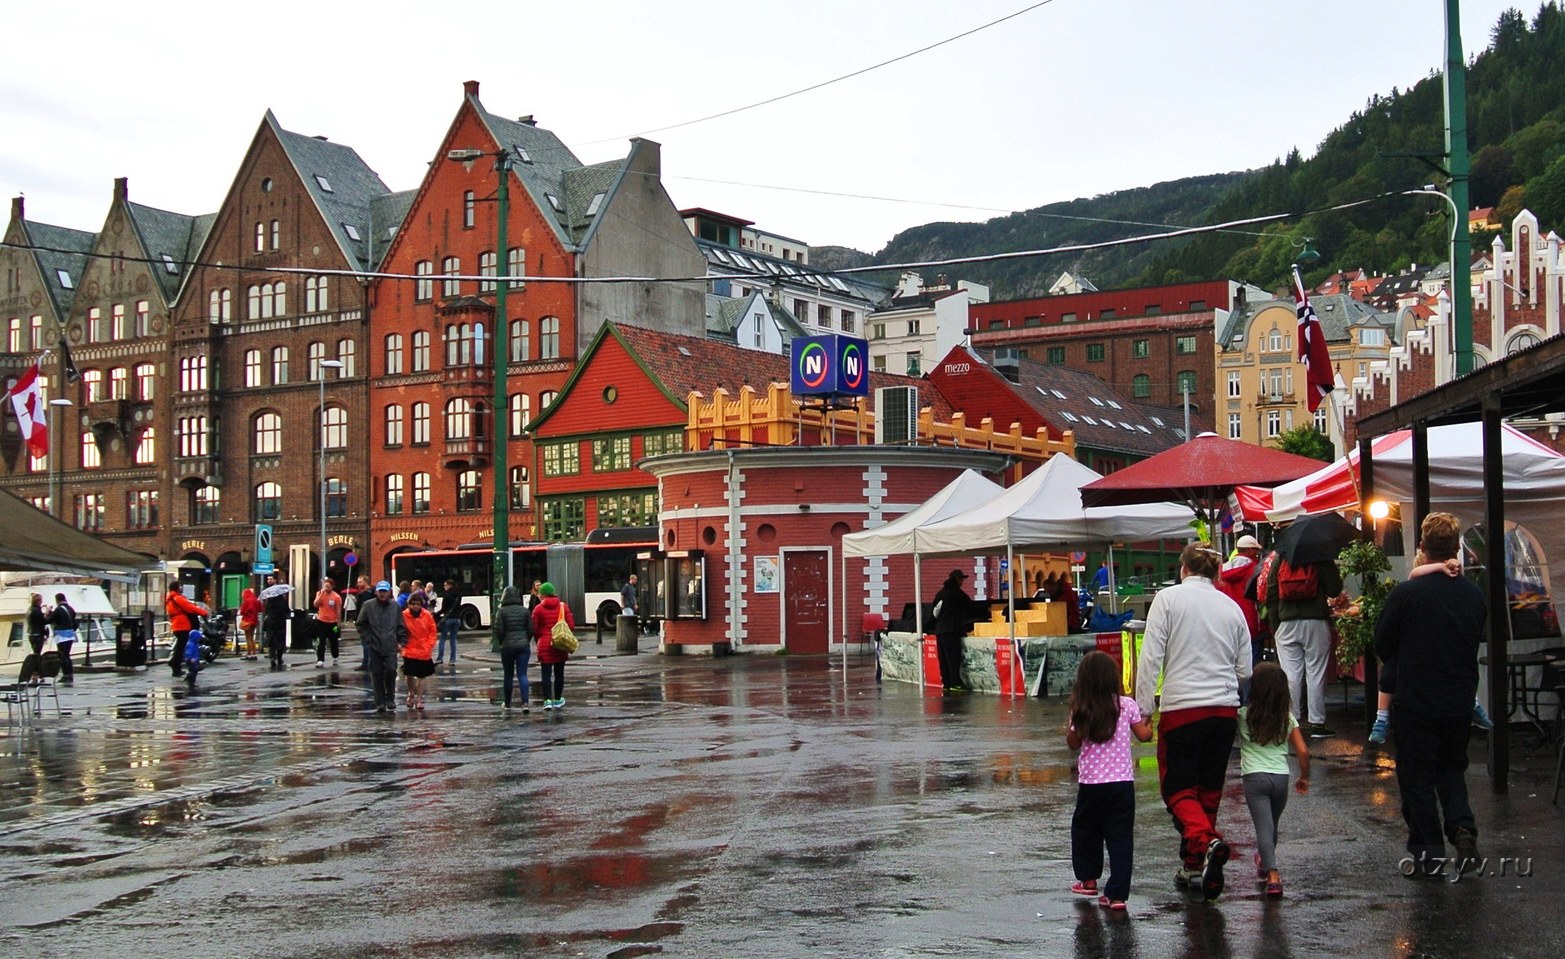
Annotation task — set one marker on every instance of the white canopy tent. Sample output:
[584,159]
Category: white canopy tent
[1042,511]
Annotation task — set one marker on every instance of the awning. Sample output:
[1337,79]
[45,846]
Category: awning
[34,540]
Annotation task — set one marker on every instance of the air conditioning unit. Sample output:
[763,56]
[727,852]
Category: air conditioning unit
[896,414]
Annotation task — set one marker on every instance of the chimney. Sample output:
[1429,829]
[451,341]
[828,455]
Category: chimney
[16,208]
[470,88]
[121,188]
[527,119]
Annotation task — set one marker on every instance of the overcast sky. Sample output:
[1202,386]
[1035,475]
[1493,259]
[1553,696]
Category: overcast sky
[1073,98]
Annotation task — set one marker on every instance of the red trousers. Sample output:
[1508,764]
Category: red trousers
[1192,765]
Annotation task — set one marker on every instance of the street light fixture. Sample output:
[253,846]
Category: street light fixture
[322,367]
[500,408]
[54,456]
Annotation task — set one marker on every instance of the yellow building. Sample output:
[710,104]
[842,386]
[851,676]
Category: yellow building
[1260,381]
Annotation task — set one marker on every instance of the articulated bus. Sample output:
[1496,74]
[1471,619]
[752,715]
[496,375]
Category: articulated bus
[588,576]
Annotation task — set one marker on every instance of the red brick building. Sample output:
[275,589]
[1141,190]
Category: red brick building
[430,353]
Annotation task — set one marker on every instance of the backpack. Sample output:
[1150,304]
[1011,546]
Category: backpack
[1297,584]
[562,637]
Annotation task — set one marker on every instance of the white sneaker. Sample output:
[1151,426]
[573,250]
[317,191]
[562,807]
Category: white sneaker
[334,662]
[320,664]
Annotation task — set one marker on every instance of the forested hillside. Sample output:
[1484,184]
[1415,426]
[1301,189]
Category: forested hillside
[1516,127]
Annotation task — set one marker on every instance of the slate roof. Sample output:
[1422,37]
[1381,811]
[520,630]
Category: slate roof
[726,261]
[580,187]
[386,215]
[684,364]
[725,313]
[57,249]
[176,236]
[1102,419]
[540,161]
[1338,313]
[343,187]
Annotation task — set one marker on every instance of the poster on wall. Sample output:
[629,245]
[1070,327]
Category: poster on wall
[766,574]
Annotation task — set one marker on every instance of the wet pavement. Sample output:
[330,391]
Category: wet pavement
[752,805]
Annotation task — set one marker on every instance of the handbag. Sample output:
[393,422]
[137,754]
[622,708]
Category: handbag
[562,637]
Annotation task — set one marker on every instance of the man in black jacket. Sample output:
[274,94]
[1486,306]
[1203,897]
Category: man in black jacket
[1430,628]
[955,613]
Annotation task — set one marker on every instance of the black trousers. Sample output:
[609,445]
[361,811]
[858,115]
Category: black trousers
[948,649]
[551,680]
[176,656]
[1432,777]
[1192,766]
[1105,816]
[383,678]
[326,633]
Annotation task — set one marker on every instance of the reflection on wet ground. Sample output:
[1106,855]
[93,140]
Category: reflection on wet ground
[751,806]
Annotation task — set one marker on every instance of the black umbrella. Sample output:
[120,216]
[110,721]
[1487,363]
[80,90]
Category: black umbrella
[1315,539]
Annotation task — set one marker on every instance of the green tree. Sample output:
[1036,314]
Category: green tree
[1307,441]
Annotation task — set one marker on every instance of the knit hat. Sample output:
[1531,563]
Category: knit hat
[547,589]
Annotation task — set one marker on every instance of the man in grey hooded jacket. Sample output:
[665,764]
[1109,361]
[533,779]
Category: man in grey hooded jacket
[384,634]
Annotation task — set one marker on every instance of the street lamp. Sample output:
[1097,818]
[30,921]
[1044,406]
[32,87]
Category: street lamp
[54,455]
[500,408]
[322,366]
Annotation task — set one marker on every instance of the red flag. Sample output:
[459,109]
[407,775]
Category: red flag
[27,400]
[1318,378]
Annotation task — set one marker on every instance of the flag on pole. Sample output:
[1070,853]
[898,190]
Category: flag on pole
[27,400]
[1318,378]
[66,363]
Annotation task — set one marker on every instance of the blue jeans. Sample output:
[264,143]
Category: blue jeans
[448,630]
[514,660]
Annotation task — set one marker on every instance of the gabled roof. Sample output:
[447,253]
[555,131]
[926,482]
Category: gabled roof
[386,215]
[171,242]
[343,187]
[57,250]
[679,365]
[581,187]
[540,161]
[724,314]
[1071,399]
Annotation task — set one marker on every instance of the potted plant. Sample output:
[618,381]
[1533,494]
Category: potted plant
[1356,621]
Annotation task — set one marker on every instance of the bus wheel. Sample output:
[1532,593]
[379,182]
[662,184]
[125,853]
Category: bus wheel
[608,616]
[470,619]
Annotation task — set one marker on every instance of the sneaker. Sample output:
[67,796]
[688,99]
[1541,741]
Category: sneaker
[320,664]
[1466,843]
[525,710]
[1481,716]
[1212,869]
[1321,731]
[1377,733]
[506,706]
[559,704]
[548,704]
[1085,887]
[334,662]
[1187,878]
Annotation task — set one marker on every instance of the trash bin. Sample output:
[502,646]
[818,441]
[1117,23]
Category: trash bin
[130,642]
[303,637]
[626,633]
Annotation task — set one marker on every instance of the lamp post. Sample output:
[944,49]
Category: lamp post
[322,367]
[54,455]
[500,408]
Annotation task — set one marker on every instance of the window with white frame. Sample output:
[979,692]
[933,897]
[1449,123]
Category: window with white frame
[1273,423]
[119,383]
[1372,336]
[421,351]
[268,502]
[459,345]
[469,209]
[97,326]
[394,491]
[147,447]
[143,324]
[91,458]
[521,491]
[192,436]
[1274,340]
[267,430]
[1235,427]
[1320,419]
[451,266]
[469,492]
[546,399]
[146,375]
[317,352]
[279,365]
[260,237]
[317,294]
[192,374]
[420,492]
[488,265]
[424,285]
[118,330]
[515,266]
[458,419]
[277,235]
[347,353]
[521,341]
[1235,384]
[549,338]
[521,412]
[393,421]
[393,353]
[334,428]
[35,332]
[255,369]
[92,385]
[205,504]
[420,417]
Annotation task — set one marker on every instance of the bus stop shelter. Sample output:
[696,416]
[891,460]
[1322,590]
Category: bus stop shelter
[1528,384]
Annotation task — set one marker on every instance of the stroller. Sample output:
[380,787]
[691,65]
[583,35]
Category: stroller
[214,635]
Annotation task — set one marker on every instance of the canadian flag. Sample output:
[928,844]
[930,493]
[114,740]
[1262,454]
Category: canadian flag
[1318,378]
[27,400]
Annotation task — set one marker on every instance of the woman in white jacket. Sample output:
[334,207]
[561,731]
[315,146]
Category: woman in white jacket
[1198,641]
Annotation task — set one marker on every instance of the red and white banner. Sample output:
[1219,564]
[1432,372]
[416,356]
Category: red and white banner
[1318,377]
[27,400]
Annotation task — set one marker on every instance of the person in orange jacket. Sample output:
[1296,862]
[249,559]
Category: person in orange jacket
[182,617]
[418,654]
[551,661]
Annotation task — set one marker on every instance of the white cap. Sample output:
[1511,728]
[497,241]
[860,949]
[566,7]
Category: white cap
[1247,542]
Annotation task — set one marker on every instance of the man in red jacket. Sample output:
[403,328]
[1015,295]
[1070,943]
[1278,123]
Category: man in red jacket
[1234,580]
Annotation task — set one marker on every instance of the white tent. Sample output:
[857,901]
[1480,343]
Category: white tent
[895,538]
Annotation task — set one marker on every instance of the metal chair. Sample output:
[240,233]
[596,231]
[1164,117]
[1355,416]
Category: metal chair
[874,625]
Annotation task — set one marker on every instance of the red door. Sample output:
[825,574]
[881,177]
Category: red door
[806,601]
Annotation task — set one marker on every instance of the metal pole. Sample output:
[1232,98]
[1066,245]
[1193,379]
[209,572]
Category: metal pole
[59,405]
[500,415]
[320,373]
[1458,166]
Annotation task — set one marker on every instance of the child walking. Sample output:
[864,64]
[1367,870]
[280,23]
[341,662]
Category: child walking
[1266,728]
[1102,718]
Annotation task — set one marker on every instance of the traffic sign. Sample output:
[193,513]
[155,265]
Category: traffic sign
[263,569]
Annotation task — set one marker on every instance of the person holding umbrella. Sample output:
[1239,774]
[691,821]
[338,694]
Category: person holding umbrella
[1302,582]
[274,620]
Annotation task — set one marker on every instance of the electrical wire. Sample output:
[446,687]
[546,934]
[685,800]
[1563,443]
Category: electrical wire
[826,83]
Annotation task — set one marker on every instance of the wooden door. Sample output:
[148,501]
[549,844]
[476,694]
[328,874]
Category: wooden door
[806,588]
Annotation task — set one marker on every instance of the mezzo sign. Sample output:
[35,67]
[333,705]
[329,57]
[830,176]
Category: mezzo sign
[830,365]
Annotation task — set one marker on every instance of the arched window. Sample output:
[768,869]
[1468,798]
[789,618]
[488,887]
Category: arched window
[521,341]
[91,458]
[459,419]
[268,502]
[420,417]
[267,428]
[317,353]
[255,372]
[394,425]
[279,365]
[277,235]
[92,383]
[469,491]
[393,354]
[146,382]
[317,294]
[451,266]
[549,338]
[1141,386]
[346,353]
[1524,340]
[420,492]
[260,237]
[147,447]
[1274,340]
[521,491]
[488,265]
[253,302]
[521,412]
[205,503]
[394,491]
[424,286]
[119,383]
[334,428]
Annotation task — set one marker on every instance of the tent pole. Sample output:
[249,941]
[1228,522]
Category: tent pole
[1113,584]
[844,613]
[918,617]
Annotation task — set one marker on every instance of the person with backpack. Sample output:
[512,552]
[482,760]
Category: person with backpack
[551,658]
[1298,608]
[62,624]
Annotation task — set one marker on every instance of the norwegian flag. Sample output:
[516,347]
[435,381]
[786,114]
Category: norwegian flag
[27,400]
[1318,378]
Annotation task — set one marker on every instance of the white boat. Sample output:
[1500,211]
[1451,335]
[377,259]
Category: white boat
[97,620]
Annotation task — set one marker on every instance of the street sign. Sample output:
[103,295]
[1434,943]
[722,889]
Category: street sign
[263,569]
[263,547]
[352,559]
